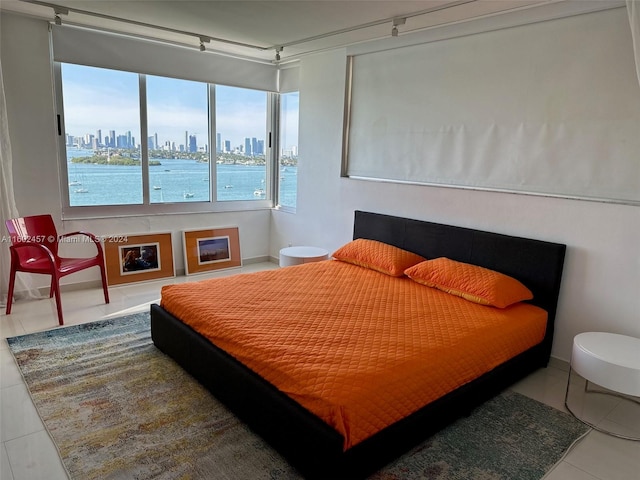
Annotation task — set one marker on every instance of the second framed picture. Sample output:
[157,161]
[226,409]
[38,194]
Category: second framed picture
[211,249]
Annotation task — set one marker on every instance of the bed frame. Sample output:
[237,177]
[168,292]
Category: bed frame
[308,443]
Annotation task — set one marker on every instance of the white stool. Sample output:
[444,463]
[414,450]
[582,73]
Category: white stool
[299,255]
[609,360]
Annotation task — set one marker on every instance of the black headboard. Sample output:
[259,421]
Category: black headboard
[537,264]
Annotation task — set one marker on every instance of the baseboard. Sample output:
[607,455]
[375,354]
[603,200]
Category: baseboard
[71,287]
[558,363]
[261,259]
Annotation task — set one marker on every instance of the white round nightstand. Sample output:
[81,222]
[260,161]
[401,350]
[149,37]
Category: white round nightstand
[609,360]
[299,255]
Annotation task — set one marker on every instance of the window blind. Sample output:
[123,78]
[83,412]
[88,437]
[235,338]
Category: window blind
[550,108]
[107,50]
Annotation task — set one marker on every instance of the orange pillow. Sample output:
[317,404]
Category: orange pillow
[377,256]
[471,282]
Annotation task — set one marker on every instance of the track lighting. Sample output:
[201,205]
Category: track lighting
[58,20]
[397,21]
[278,50]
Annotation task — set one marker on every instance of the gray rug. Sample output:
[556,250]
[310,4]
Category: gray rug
[117,408]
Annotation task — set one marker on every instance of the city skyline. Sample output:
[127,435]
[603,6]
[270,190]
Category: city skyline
[94,97]
[128,140]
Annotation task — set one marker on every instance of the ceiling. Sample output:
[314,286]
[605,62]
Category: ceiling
[258,29]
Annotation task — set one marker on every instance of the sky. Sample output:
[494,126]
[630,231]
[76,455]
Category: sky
[101,99]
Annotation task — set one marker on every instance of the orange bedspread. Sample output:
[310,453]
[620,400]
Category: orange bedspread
[358,348]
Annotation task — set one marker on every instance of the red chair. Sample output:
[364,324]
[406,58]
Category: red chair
[34,249]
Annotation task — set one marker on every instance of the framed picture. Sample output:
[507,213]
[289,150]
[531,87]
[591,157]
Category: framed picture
[137,258]
[211,249]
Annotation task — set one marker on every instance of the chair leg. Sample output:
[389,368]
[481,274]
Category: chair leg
[12,282]
[55,287]
[105,289]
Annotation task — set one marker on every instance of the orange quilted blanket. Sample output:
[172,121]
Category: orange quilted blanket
[358,348]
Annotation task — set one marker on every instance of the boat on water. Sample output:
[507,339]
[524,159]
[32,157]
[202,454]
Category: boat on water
[258,192]
[74,183]
[157,187]
[228,186]
[81,190]
[188,195]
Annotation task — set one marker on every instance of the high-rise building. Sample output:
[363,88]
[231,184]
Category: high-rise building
[112,137]
[227,146]
[247,146]
[186,138]
[99,137]
[193,143]
[218,143]
[155,140]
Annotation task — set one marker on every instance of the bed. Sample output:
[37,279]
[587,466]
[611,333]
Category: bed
[316,442]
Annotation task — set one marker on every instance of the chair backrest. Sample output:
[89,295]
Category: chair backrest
[37,229]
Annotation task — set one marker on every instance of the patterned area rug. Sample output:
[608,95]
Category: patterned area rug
[117,408]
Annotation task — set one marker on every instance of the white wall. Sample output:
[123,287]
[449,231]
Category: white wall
[27,71]
[601,282]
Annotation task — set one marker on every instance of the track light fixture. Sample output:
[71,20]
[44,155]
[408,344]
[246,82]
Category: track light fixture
[278,50]
[59,11]
[202,40]
[397,21]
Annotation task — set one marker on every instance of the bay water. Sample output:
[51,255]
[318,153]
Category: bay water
[174,180]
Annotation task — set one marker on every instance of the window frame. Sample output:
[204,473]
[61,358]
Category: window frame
[146,208]
[278,156]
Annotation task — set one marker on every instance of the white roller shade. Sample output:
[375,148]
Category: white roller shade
[106,50]
[550,108]
[289,78]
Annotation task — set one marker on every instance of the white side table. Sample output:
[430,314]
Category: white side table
[299,255]
[609,360]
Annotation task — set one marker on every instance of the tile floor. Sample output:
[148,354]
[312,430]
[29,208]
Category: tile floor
[27,452]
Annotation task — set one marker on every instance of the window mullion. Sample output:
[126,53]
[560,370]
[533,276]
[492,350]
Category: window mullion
[144,140]
[273,129]
[213,145]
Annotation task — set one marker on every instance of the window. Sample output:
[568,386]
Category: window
[178,140]
[147,142]
[102,118]
[288,155]
[241,151]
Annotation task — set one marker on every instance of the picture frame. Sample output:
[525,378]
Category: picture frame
[211,249]
[139,257]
